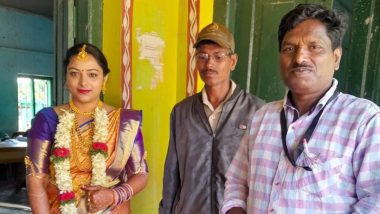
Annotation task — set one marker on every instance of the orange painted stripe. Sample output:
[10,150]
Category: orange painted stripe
[126,54]
[192,31]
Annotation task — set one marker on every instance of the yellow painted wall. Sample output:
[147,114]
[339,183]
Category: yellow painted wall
[160,17]
[112,49]
[167,19]
[206,14]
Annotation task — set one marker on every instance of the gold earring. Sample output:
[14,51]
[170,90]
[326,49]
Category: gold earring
[68,91]
[104,89]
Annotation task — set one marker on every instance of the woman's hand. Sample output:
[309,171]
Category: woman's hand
[98,198]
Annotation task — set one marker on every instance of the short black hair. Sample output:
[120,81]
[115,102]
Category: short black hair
[90,49]
[334,21]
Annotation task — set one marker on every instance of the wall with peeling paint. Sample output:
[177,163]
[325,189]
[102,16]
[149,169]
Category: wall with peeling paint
[159,61]
[158,75]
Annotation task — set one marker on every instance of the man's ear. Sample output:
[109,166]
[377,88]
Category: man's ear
[234,60]
[337,57]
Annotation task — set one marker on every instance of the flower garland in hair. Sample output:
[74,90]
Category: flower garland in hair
[61,157]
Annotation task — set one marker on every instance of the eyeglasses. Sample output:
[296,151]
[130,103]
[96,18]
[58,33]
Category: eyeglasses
[218,57]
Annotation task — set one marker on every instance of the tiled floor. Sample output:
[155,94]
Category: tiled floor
[13,202]
[13,195]
[13,211]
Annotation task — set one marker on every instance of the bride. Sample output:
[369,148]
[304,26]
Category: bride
[85,156]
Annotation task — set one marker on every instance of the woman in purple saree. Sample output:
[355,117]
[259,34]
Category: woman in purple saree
[85,156]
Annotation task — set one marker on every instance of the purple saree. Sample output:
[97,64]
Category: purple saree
[126,155]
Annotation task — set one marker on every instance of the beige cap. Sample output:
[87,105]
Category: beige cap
[217,33]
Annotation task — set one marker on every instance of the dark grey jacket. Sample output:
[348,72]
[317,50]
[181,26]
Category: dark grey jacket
[197,159]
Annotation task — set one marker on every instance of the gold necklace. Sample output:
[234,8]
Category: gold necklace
[81,147]
[86,113]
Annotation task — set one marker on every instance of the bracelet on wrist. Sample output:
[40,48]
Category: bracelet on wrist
[122,193]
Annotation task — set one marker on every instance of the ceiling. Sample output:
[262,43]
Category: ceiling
[40,7]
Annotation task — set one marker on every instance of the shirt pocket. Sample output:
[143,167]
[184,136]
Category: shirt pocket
[239,128]
[322,181]
[230,142]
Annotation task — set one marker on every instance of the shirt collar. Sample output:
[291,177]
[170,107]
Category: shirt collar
[322,102]
[206,101]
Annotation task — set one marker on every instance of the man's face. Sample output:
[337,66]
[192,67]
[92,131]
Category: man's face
[215,64]
[307,60]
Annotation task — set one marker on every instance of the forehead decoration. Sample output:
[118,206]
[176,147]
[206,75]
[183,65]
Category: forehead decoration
[82,55]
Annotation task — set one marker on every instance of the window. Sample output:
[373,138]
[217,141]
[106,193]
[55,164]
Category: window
[34,93]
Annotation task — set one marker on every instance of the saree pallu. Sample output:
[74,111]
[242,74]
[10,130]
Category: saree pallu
[126,154]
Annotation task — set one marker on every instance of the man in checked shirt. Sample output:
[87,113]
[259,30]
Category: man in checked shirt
[317,150]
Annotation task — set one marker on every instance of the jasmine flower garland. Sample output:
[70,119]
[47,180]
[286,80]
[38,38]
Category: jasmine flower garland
[61,157]
[99,148]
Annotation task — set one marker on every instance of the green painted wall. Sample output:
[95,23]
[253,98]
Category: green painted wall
[363,70]
[26,46]
[75,21]
[342,74]
[255,24]
[89,21]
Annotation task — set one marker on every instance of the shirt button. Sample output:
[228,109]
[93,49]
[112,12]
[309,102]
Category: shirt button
[271,210]
[277,183]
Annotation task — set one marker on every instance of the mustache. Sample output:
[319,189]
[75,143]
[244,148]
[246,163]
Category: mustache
[301,65]
[208,70]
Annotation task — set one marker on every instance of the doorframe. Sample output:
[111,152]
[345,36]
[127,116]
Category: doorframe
[75,21]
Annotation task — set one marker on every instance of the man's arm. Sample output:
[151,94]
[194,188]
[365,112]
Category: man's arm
[366,165]
[171,173]
[236,191]
[236,210]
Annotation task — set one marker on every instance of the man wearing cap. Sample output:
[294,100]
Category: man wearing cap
[206,129]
